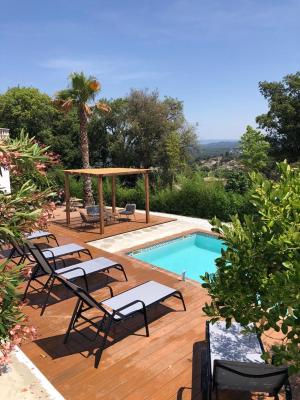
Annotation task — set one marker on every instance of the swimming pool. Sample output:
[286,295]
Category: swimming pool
[195,254]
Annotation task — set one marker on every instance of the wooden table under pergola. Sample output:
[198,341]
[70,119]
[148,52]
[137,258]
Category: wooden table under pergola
[100,173]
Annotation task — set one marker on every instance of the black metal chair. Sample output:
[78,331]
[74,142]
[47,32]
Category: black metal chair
[87,219]
[233,362]
[118,308]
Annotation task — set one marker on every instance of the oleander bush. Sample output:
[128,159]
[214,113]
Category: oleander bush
[27,208]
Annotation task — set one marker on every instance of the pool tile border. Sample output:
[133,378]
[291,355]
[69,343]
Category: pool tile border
[166,241]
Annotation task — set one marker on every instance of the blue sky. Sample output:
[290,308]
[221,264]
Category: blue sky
[210,54]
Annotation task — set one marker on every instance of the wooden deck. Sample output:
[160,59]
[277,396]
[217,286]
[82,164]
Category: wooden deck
[89,232]
[164,366]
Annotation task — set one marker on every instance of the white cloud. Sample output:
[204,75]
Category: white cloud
[113,70]
[65,64]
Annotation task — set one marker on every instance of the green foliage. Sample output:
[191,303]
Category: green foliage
[134,133]
[258,275]
[174,161]
[28,109]
[282,121]
[254,150]
[21,211]
[138,132]
[237,181]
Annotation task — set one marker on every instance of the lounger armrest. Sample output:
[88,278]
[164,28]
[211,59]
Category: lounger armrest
[44,251]
[117,311]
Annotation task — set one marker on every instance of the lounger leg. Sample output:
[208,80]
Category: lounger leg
[47,297]
[31,278]
[27,287]
[102,346]
[181,298]
[54,238]
[89,253]
[73,319]
[47,282]
[122,269]
[146,321]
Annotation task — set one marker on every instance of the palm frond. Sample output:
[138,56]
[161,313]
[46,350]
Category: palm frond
[67,105]
[103,107]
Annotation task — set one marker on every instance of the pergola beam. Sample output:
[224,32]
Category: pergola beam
[147,197]
[101,209]
[67,198]
[113,193]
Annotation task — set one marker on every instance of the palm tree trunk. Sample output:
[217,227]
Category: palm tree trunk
[85,156]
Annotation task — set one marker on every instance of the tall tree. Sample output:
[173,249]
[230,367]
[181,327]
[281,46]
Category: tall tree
[173,157]
[26,108]
[81,91]
[282,121]
[150,122]
[254,150]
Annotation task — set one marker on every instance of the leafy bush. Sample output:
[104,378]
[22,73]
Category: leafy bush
[237,181]
[258,275]
[24,210]
[198,198]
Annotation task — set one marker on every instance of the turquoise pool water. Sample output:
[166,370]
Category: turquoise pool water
[195,254]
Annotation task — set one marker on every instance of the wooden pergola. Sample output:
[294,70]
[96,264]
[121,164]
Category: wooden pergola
[100,173]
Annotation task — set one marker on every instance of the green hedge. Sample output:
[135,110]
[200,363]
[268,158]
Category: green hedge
[191,197]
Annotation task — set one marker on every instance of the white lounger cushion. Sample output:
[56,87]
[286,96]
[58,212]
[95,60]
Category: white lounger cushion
[90,266]
[62,250]
[232,345]
[38,235]
[149,292]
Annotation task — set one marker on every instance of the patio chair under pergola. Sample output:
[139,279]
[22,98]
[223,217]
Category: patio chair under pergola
[100,173]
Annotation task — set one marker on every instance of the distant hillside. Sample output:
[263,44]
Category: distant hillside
[217,148]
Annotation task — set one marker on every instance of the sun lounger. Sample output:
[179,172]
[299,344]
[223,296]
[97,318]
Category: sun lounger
[41,234]
[82,269]
[52,253]
[65,250]
[118,308]
[234,362]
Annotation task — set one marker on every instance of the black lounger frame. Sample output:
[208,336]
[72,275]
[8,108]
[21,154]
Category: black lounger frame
[86,302]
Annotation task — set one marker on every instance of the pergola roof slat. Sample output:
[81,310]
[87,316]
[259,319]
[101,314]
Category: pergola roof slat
[107,171]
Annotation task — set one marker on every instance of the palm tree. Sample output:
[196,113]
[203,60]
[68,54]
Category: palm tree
[81,91]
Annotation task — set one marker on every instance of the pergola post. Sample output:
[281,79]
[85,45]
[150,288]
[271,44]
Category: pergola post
[100,197]
[147,206]
[67,197]
[113,193]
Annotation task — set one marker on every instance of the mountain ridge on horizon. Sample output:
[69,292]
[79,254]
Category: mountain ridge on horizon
[208,141]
